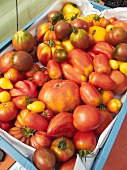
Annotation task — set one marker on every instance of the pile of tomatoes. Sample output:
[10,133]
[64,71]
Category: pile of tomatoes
[58,89]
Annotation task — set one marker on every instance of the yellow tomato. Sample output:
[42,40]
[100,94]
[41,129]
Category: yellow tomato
[5,83]
[5,96]
[71,8]
[123,68]
[113,64]
[109,27]
[70,16]
[114,105]
[98,33]
[36,106]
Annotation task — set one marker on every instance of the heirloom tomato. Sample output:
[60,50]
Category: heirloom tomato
[120,52]
[54,69]
[80,24]
[6,125]
[46,49]
[23,40]
[44,159]
[120,80]
[39,78]
[6,61]
[90,94]
[47,114]
[8,111]
[63,149]
[85,140]
[60,95]
[120,23]
[67,45]
[86,117]
[50,35]
[102,80]
[114,105]
[106,96]
[14,75]
[79,38]
[59,55]
[55,16]
[32,120]
[62,125]
[5,83]
[36,106]
[5,96]
[123,68]
[70,8]
[106,119]
[24,88]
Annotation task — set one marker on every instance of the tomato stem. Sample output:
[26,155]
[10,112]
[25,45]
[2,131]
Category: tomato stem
[28,132]
[74,30]
[62,144]
[84,153]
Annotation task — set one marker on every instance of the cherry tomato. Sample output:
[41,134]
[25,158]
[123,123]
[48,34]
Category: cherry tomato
[114,105]
[106,96]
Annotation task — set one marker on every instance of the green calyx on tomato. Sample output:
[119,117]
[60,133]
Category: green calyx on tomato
[62,144]
[59,16]
[50,43]
[28,132]
[84,153]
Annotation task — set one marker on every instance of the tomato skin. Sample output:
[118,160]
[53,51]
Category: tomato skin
[6,125]
[86,118]
[8,111]
[63,148]
[62,125]
[40,139]
[102,81]
[106,96]
[90,95]
[54,69]
[44,159]
[114,105]
[32,120]
[70,8]
[68,165]
[101,64]
[40,78]
[85,140]
[47,114]
[106,119]
[56,97]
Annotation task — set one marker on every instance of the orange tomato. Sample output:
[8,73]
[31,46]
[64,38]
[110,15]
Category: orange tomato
[106,96]
[114,105]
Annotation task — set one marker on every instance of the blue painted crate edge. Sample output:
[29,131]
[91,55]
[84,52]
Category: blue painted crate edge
[98,6]
[104,152]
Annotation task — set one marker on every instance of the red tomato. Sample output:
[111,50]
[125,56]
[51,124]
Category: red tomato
[106,119]
[114,105]
[90,95]
[48,114]
[63,149]
[40,78]
[85,140]
[32,120]
[6,125]
[8,111]
[86,118]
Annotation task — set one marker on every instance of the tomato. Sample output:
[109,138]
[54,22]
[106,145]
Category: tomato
[102,80]
[90,95]
[123,68]
[86,118]
[14,75]
[120,23]
[62,125]
[104,22]
[85,140]
[24,88]
[109,27]
[80,24]
[67,45]
[32,120]
[113,64]
[48,114]
[63,149]
[119,53]
[39,78]
[44,159]
[112,19]
[106,96]
[5,83]
[54,16]
[106,119]
[79,38]
[36,106]
[23,40]
[8,111]
[101,64]
[54,69]
[6,61]
[120,80]
[114,105]
[68,165]
[5,96]
[60,95]
[59,55]
[6,125]
[70,8]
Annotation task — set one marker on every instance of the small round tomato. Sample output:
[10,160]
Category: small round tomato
[5,96]
[112,19]
[113,64]
[60,55]
[70,8]
[6,125]
[85,140]
[106,96]
[63,149]
[114,105]
[86,118]
[109,27]
[48,114]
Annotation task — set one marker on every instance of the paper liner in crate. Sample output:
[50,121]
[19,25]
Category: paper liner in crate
[86,8]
